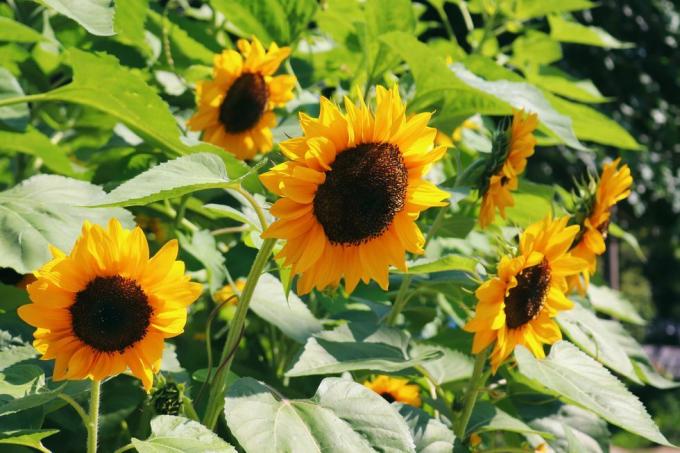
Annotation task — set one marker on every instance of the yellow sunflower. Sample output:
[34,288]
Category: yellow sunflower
[517,306]
[395,389]
[614,186]
[235,108]
[509,157]
[107,306]
[352,191]
[224,294]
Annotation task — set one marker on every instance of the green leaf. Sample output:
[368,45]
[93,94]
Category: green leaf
[451,366]
[129,22]
[567,31]
[443,264]
[185,50]
[429,434]
[34,143]
[44,210]
[280,21]
[171,179]
[356,346]
[487,417]
[26,437]
[342,416]
[535,48]
[171,434]
[561,83]
[612,303]
[532,203]
[618,232]
[13,349]
[202,246]
[577,379]
[590,334]
[96,16]
[14,116]
[290,314]
[527,9]
[23,387]
[13,31]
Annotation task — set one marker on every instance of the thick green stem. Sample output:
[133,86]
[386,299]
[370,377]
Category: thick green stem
[218,386]
[93,418]
[477,383]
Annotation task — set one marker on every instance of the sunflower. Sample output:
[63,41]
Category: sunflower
[511,149]
[395,389]
[224,294]
[352,191]
[517,306]
[235,108]
[613,186]
[107,306]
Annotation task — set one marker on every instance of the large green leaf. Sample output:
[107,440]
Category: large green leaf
[14,116]
[11,30]
[451,366]
[290,314]
[22,386]
[342,416]
[577,379]
[172,434]
[34,143]
[13,349]
[526,9]
[357,346]
[443,264]
[429,434]
[612,303]
[568,31]
[487,417]
[532,202]
[96,16]
[26,437]
[558,82]
[280,21]
[590,333]
[44,210]
[171,179]
[202,246]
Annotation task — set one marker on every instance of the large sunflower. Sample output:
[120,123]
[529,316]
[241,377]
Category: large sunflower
[614,186]
[235,107]
[107,306]
[510,152]
[517,306]
[352,191]
[395,389]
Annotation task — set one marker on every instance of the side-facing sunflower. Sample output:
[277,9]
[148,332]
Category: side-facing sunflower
[235,108]
[613,186]
[395,389]
[511,149]
[352,191]
[517,306]
[107,306]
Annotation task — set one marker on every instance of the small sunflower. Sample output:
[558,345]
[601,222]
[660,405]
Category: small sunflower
[235,108]
[107,306]
[517,306]
[224,294]
[395,389]
[613,186]
[352,191]
[511,149]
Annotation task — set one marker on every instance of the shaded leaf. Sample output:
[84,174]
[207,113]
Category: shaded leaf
[429,434]
[34,143]
[171,434]
[96,16]
[14,31]
[14,116]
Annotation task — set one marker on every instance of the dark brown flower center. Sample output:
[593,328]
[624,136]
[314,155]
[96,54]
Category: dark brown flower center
[364,189]
[388,397]
[111,313]
[244,103]
[525,301]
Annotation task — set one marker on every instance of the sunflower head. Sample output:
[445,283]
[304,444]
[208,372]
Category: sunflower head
[351,191]
[235,108]
[395,389]
[108,306]
[613,186]
[510,150]
[517,306]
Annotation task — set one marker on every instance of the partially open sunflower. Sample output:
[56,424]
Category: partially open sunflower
[107,306]
[235,108]
[517,306]
[395,389]
[511,149]
[613,186]
[352,191]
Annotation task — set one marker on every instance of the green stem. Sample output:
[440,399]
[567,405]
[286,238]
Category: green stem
[22,99]
[218,386]
[476,385]
[93,419]
[256,206]
[181,211]
[402,299]
[445,20]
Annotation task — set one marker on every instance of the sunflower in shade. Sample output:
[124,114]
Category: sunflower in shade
[107,306]
[235,108]
[517,306]
[352,191]
[511,149]
[395,389]
[614,185]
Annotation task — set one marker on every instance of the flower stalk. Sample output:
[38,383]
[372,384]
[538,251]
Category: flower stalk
[93,417]
[477,383]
